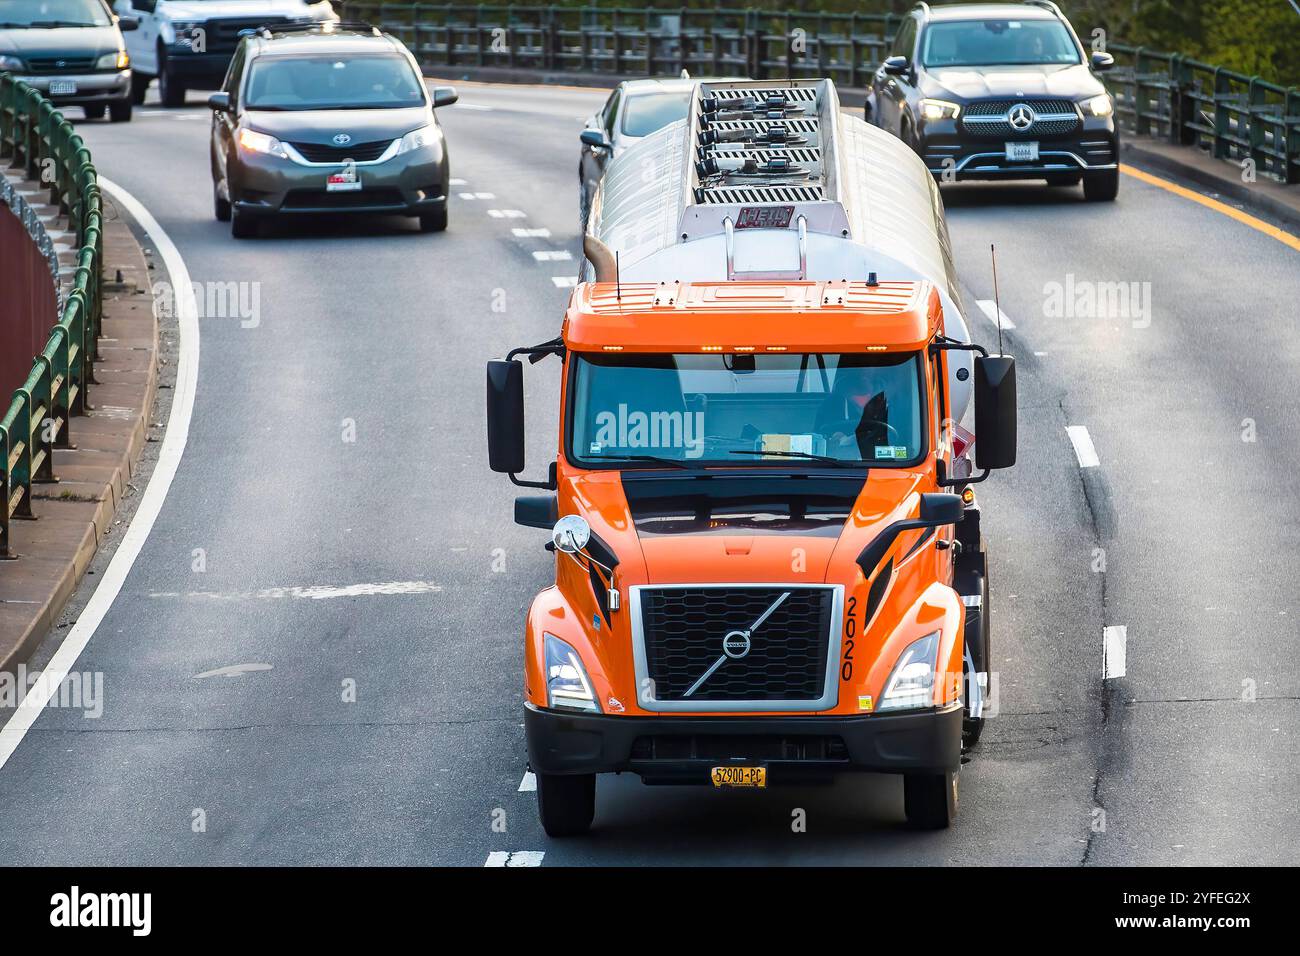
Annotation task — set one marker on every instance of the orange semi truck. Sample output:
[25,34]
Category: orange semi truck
[758,549]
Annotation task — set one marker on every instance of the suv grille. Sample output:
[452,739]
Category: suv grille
[683,630]
[989,118]
[357,152]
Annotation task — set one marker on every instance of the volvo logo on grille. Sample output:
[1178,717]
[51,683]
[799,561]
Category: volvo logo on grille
[736,645]
[342,139]
[1021,117]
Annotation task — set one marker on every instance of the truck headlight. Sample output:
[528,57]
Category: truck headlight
[418,139]
[911,684]
[8,63]
[113,61]
[567,686]
[183,30]
[1099,106]
[939,109]
[253,141]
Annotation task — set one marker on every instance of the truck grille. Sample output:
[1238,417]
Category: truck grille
[357,152]
[683,631]
[223,33]
[989,118]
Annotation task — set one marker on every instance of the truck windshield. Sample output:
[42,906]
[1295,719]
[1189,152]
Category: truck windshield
[333,83]
[747,409]
[997,43]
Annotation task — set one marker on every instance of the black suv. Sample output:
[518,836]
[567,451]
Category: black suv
[999,91]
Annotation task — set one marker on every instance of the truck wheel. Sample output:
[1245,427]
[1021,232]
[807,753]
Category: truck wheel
[930,799]
[566,804]
[1101,187]
[139,86]
[119,111]
[170,90]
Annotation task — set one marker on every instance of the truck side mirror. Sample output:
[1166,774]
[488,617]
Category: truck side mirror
[505,415]
[940,509]
[995,411]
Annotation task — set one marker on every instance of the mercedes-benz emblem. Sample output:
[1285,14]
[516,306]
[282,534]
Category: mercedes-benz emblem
[736,645]
[342,139]
[1021,117]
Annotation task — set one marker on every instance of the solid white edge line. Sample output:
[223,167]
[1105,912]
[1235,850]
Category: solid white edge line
[1084,449]
[513,858]
[155,493]
[1114,651]
[990,310]
[529,783]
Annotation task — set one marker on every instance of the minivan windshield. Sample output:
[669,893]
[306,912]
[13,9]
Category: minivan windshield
[997,43]
[366,82]
[20,14]
[747,409]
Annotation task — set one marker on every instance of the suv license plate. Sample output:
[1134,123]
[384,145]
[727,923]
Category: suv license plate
[739,776]
[63,87]
[1022,152]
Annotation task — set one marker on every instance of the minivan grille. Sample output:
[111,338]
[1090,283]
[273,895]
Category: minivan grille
[61,64]
[357,152]
[683,630]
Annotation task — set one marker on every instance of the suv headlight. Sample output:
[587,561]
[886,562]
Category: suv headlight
[113,61]
[939,109]
[567,686]
[418,139]
[1099,106]
[911,683]
[252,140]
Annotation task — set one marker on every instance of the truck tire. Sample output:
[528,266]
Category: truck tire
[566,803]
[930,799]
[1101,187]
[170,89]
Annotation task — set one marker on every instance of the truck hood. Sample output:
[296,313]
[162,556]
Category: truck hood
[320,126]
[73,41]
[750,528]
[965,83]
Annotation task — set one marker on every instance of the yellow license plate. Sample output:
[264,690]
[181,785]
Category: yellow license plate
[739,776]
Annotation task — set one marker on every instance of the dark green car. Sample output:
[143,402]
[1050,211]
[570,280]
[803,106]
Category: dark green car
[327,119]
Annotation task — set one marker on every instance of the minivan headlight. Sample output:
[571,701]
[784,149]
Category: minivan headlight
[567,686]
[113,61]
[418,139]
[939,109]
[911,683]
[252,140]
[1099,106]
[11,63]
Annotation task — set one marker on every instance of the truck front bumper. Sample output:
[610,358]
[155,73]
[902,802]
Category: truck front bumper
[794,749]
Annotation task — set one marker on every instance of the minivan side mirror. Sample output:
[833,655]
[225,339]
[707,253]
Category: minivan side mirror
[127,24]
[995,411]
[505,415]
[219,102]
[1102,61]
[444,96]
[897,65]
[595,138]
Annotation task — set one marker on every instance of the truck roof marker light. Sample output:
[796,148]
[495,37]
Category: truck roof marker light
[776,348]
[612,348]
[710,348]
[744,348]
[877,348]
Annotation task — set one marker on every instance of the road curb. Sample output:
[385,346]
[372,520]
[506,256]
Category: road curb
[75,515]
[1203,171]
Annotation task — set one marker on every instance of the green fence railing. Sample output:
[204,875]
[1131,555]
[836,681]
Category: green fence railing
[35,137]
[1233,116]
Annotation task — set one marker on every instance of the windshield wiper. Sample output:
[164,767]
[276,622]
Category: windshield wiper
[807,456]
[674,462]
[55,24]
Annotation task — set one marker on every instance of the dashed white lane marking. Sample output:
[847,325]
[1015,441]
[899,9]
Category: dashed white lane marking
[233,670]
[990,309]
[477,195]
[456,182]
[155,493]
[564,282]
[524,233]
[474,106]
[1083,447]
[552,255]
[515,858]
[506,213]
[529,783]
[317,592]
[1114,651]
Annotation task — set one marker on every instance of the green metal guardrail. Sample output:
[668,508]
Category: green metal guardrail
[1235,117]
[36,137]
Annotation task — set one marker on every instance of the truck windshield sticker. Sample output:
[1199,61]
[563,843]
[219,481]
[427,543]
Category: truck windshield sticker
[892,452]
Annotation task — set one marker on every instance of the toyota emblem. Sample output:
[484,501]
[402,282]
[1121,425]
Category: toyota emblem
[1021,117]
[342,139]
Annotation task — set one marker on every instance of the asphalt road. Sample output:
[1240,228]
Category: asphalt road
[338,443]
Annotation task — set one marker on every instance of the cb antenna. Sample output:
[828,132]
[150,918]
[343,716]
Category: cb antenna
[997,305]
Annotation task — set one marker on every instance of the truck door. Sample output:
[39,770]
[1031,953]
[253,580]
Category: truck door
[141,44]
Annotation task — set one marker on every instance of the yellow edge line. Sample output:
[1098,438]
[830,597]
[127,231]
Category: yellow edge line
[1258,225]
